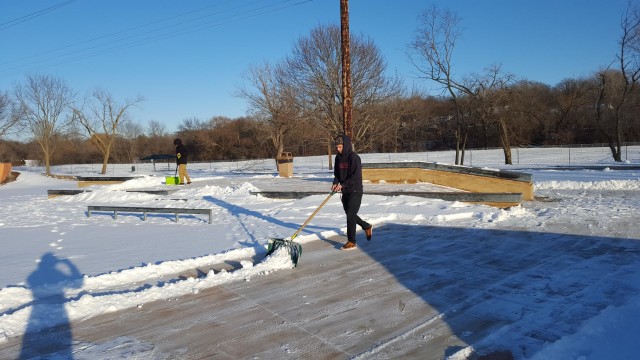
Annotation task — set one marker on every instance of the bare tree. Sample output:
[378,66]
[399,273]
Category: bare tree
[431,53]
[571,96]
[192,124]
[102,120]
[273,102]
[387,132]
[130,132]
[198,136]
[616,86]
[158,138]
[9,116]
[45,105]
[488,100]
[315,69]
[156,129]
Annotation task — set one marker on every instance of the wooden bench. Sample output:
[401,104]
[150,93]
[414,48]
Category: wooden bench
[145,210]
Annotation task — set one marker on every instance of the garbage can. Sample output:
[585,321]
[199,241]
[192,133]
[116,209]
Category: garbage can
[285,164]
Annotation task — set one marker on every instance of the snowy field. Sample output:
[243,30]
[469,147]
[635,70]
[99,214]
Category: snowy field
[60,266]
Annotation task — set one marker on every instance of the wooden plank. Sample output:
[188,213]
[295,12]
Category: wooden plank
[501,200]
[62,177]
[61,192]
[101,182]
[64,192]
[84,181]
[107,178]
[155,192]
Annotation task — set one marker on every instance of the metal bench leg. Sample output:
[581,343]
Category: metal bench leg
[144,216]
[176,217]
[115,215]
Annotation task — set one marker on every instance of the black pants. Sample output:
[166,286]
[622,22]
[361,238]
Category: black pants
[351,204]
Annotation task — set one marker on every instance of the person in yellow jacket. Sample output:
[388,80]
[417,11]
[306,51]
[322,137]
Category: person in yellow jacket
[181,161]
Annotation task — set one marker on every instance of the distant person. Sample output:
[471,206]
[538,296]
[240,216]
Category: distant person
[181,161]
[347,173]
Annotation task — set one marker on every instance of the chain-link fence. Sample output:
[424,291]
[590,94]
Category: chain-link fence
[597,154]
[543,155]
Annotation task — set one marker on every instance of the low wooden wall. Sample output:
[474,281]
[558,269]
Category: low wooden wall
[53,193]
[458,177]
[5,171]
[501,200]
[84,181]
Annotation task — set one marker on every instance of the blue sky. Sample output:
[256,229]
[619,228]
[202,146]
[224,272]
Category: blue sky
[187,58]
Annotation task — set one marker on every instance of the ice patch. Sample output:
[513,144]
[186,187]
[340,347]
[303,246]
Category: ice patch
[454,217]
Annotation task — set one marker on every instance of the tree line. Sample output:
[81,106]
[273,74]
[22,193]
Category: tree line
[295,105]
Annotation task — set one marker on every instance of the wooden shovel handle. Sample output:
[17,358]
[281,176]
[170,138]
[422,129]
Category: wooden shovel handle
[312,215]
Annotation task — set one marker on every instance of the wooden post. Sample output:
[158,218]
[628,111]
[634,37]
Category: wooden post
[347,121]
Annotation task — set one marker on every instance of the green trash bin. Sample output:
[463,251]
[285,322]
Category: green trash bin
[285,164]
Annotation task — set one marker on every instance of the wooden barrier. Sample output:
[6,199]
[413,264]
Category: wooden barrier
[470,179]
[61,177]
[501,200]
[66,192]
[84,181]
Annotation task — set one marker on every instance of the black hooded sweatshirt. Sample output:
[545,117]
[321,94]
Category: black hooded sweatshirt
[181,150]
[348,168]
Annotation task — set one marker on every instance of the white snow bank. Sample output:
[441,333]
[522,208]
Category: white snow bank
[589,185]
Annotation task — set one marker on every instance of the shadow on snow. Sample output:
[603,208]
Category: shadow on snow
[239,211]
[48,283]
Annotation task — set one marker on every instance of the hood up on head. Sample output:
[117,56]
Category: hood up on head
[347,146]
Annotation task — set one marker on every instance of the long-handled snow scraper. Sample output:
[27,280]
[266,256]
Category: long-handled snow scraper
[294,248]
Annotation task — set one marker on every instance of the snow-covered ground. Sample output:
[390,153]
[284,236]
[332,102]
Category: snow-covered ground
[94,265]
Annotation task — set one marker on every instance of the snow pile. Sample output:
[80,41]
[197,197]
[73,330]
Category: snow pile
[589,185]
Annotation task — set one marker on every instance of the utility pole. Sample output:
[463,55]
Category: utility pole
[347,112]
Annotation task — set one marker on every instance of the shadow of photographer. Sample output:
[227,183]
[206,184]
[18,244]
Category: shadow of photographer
[49,330]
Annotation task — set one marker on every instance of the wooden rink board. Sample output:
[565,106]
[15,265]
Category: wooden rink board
[479,183]
[101,182]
